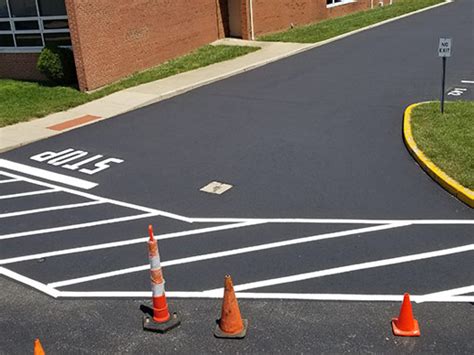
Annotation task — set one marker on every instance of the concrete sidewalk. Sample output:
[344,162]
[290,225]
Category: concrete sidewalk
[132,98]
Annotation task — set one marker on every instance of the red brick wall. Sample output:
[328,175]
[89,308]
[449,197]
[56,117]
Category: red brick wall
[276,15]
[115,38]
[20,66]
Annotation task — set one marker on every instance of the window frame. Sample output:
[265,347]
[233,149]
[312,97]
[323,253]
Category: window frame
[342,2]
[41,30]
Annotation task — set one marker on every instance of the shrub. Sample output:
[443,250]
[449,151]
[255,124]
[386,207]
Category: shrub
[57,64]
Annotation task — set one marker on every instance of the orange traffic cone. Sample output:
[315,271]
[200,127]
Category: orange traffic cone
[38,349]
[162,320]
[231,324]
[405,325]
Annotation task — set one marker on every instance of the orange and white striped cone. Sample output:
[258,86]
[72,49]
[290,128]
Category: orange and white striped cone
[162,320]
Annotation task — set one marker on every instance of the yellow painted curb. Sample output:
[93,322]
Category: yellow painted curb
[464,194]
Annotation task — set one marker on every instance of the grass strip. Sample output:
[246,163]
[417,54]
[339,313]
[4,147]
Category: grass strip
[22,100]
[447,140]
[326,29]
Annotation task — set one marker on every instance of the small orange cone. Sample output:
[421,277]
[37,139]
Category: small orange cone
[38,350]
[405,325]
[231,324]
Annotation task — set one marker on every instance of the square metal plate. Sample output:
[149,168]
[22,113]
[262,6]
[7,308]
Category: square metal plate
[216,187]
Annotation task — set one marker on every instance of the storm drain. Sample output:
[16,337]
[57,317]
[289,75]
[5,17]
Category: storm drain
[216,187]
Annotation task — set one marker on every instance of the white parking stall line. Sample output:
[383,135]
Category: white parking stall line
[31,193]
[467,81]
[94,197]
[335,221]
[124,243]
[447,293]
[222,254]
[48,175]
[350,268]
[49,209]
[277,296]
[77,226]
[30,282]
[7,181]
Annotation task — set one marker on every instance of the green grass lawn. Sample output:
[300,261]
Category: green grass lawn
[447,140]
[334,27]
[21,100]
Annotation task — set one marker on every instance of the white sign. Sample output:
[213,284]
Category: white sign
[444,49]
[71,156]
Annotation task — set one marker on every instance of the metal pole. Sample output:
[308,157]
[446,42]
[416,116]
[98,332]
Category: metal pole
[443,85]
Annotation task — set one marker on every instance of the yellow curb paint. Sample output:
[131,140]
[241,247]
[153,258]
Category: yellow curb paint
[464,194]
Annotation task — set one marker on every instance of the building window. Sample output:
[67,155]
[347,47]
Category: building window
[29,25]
[331,3]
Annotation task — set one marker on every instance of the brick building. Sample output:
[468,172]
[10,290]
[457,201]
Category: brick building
[115,38]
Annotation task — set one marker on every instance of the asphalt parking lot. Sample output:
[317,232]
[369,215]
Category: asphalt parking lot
[326,205]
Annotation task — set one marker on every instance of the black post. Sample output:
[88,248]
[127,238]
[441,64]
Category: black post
[443,85]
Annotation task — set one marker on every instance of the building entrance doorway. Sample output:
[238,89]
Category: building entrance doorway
[235,18]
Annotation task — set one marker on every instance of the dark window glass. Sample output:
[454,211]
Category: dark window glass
[52,7]
[3,8]
[5,26]
[58,39]
[55,24]
[6,40]
[23,8]
[26,25]
[28,40]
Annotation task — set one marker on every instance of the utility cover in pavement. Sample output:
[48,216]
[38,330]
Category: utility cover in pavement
[216,187]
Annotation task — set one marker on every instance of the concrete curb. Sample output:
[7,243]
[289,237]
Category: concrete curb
[464,194]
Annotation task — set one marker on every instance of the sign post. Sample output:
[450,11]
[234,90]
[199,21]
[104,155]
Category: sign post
[444,51]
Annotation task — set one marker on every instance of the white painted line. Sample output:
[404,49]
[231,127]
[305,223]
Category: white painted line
[350,268]
[39,192]
[48,175]
[222,254]
[48,209]
[77,226]
[94,197]
[7,181]
[30,282]
[467,81]
[247,295]
[123,243]
[335,220]
[447,293]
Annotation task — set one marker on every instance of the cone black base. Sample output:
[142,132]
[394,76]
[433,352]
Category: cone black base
[218,333]
[151,325]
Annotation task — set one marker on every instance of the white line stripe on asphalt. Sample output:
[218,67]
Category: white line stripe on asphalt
[52,208]
[448,293]
[221,254]
[30,282]
[124,243]
[350,268]
[467,81]
[77,226]
[94,197]
[247,295]
[32,193]
[335,220]
[7,181]
[48,175]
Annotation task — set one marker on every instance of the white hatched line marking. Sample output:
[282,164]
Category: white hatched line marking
[48,175]
[7,181]
[77,226]
[350,268]
[224,254]
[52,208]
[22,194]
[30,282]
[94,197]
[124,243]
[248,295]
[335,220]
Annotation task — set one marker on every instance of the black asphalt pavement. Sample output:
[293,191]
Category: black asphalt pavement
[314,136]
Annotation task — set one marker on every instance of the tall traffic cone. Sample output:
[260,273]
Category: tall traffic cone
[38,349]
[405,325]
[162,320]
[231,324]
